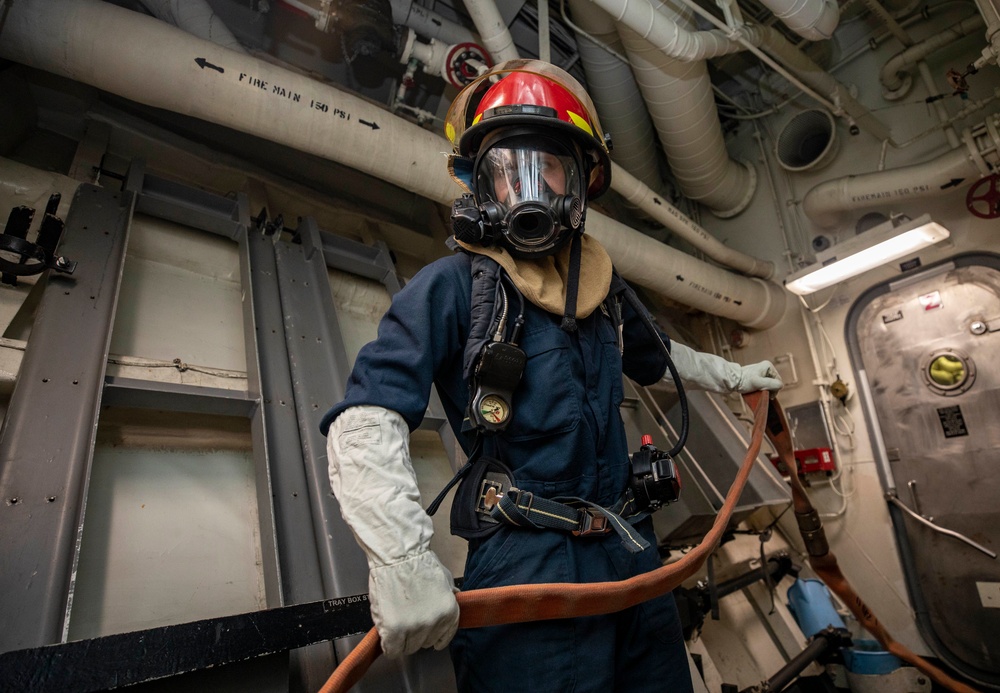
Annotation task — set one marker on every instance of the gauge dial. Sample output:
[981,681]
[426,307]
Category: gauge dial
[494,409]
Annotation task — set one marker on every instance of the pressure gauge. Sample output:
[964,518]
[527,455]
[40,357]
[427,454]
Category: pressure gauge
[494,409]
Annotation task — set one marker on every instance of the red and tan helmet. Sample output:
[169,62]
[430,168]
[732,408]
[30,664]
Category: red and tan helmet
[535,94]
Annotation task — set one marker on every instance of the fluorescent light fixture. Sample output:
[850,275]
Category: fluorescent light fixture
[886,242]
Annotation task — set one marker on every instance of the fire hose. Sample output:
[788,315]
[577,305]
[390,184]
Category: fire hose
[522,603]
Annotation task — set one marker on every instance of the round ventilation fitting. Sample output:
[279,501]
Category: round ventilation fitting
[808,141]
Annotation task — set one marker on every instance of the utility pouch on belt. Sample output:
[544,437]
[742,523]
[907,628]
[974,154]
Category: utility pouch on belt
[469,517]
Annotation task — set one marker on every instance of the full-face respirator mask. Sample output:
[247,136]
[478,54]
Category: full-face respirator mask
[529,195]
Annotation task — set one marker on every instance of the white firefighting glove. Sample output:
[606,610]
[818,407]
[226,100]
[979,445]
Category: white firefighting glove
[412,594]
[701,371]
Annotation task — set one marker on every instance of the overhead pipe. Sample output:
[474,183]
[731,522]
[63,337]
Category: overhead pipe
[814,20]
[679,97]
[794,65]
[616,96]
[160,66]
[894,77]
[493,30]
[640,195]
[826,204]
[623,113]
[429,24]
[195,17]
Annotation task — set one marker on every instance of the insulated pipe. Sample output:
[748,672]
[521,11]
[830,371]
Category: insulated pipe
[674,219]
[665,270]
[814,20]
[616,96]
[680,101]
[675,41]
[195,17]
[666,35]
[490,25]
[429,24]
[623,114]
[827,203]
[893,75]
[158,65]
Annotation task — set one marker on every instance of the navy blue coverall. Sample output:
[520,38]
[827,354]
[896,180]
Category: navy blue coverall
[566,438]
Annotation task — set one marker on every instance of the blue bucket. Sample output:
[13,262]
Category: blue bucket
[811,605]
[868,657]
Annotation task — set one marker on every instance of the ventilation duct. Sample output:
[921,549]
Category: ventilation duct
[615,94]
[807,142]
[682,105]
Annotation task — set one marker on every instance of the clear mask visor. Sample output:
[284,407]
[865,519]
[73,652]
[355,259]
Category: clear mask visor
[511,175]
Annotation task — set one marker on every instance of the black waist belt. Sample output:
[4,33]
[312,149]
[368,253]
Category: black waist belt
[504,503]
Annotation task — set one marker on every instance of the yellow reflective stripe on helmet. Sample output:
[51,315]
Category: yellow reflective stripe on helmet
[580,122]
[476,119]
[449,131]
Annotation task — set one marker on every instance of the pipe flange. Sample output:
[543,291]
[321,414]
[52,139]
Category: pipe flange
[747,197]
[896,94]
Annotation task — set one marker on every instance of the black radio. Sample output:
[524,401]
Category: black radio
[654,480]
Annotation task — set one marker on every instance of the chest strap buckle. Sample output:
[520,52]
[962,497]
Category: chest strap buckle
[592,522]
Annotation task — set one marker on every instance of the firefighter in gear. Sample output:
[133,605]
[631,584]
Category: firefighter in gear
[526,343]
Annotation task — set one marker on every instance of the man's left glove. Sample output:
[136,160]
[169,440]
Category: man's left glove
[412,593]
[701,371]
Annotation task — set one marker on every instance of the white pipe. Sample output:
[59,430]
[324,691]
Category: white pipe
[674,219]
[647,262]
[666,35]
[679,97]
[815,20]
[827,203]
[491,27]
[195,17]
[544,39]
[616,96]
[623,114]
[153,63]
[893,74]
[429,24]
[677,42]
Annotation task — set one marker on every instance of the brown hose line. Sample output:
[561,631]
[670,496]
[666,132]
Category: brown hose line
[824,563]
[520,603]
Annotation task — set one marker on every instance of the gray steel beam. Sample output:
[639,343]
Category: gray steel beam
[372,262]
[281,479]
[150,394]
[320,368]
[47,438]
[186,205]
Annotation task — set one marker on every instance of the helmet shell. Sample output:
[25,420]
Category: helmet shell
[530,94]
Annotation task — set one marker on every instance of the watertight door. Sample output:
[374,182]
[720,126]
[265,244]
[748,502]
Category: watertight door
[929,346]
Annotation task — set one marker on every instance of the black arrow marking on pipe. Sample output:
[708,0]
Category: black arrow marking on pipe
[680,278]
[952,183]
[202,63]
[373,126]
[656,201]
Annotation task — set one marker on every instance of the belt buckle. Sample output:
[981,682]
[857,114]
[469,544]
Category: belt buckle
[592,523]
[490,492]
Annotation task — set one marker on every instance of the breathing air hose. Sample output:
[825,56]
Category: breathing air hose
[521,603]
[824,562]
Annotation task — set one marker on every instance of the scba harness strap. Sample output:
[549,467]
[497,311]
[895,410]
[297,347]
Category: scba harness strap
[510,505]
